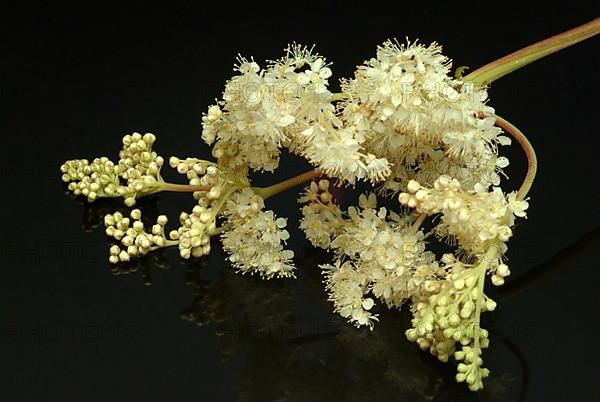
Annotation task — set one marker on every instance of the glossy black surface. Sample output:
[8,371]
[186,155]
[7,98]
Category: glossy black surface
[72,329]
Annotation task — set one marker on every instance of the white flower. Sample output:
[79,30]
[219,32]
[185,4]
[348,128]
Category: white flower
[346,287]
[376,252]
[518,207]
[264,109]
[254,237]
[473,218]
[321,218]
[338,153]
[409,110]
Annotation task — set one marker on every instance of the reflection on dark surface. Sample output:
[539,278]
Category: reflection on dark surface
[260,324]
[142,265]
[289,346]
[561,259]
[524,367]
[93,212]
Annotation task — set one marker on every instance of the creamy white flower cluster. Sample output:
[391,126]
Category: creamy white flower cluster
[287,104]
[377,252]
[479,222]
[475,219]
[407,109]
[254,237]
[380,255]
[402,122]
[265,109]
[402,116]
[137,172]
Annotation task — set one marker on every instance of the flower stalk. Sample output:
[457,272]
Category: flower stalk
[179,188]
[529,152]
[499,68]
[266,192]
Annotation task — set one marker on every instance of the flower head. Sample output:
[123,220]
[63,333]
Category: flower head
[254,238]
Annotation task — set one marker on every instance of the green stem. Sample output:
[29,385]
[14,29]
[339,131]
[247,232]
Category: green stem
[179,188]
[168,243]
[514,61]
[482,269]
[417,223]
[339,96]
[529,152]
[266,192]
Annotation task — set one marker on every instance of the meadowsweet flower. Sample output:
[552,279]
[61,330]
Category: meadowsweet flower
[450,315]
[254,238]
[410,111]
[338,152]
[403,123]
[377,252]
[347,286]
[264,109]
[321,218]
[475,219]
[134,240]
[138,167]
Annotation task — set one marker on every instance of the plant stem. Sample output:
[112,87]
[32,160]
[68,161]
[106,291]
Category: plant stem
[266,192]
[168,243]
[417,223]
[529,152]
[514,61]
[339,96]
[488,257]
[179,188]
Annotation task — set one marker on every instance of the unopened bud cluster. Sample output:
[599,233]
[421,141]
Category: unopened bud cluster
[450,316]
[136,173]
[132,236]
[139,165]
[201,223]
[100,178]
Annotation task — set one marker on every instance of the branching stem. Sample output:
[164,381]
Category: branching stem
[180,188]
[266,192]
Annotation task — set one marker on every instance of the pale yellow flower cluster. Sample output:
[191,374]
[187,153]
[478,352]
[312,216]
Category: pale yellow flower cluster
[377,252]
[403,123]
[136,174]
[407,109]
[134,240]
[254,238]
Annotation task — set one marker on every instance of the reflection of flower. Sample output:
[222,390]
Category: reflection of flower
[262,327]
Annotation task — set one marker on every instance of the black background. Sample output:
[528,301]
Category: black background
[75,80]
